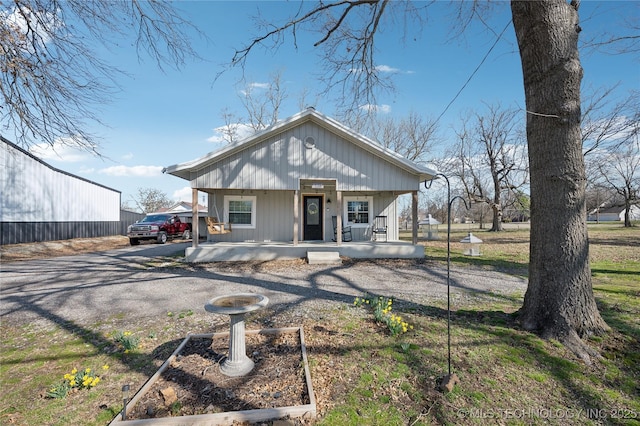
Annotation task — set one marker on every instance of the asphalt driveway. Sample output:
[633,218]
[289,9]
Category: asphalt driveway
[144,281]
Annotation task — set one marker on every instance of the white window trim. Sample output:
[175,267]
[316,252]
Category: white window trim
[345,215]
[251,198]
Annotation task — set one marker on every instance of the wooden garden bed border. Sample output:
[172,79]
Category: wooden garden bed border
[257,415]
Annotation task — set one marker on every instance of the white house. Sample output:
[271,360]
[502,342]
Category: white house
[289,184]
[613,214]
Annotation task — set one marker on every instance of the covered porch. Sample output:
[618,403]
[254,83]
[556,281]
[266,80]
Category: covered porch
[361,244]
[263,251]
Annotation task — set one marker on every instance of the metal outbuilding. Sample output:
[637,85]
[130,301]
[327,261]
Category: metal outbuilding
[39,202]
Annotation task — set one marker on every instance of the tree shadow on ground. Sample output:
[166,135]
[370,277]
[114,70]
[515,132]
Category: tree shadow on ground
[523,348]
[505,266]
[494,327]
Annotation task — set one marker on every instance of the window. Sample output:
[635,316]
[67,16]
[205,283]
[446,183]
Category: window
[358,210]
[240,211]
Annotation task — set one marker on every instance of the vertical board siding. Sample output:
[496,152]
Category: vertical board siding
[279,162]
[128,218]
[273,167]
[33,191]
[386,205]
[274,217]
[41,203]
[33,232]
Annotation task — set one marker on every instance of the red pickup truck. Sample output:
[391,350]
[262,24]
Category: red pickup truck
[159,227]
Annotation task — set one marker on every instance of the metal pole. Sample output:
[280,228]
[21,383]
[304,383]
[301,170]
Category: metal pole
[449,203]
[125,398]
[448,276]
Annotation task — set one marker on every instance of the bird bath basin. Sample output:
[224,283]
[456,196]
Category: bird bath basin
[236,306]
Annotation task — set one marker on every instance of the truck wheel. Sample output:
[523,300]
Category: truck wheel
[162,237]
[186,234]
[134,241]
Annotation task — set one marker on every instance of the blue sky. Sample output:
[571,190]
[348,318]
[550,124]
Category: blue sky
[160,118]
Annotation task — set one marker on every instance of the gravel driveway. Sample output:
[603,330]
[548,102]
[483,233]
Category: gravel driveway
[143,282]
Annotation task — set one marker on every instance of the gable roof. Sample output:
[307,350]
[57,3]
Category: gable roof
[183,206]
[183,170]
[612,209]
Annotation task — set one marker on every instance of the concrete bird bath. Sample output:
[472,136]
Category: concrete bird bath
[236,306]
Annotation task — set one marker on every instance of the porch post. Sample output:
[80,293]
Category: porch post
[414,217]
[296,216]
[339,218]
[195,218]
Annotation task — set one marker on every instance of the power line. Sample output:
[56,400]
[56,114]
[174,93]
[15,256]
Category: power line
[474,71]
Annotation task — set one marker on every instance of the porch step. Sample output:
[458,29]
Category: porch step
[323,258]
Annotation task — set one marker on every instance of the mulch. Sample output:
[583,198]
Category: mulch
[193,383]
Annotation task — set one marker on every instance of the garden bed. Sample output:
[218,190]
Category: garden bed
[189,387]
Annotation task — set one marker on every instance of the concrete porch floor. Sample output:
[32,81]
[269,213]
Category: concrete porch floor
[248,251]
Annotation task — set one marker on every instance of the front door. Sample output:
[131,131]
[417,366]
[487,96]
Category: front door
[312,229]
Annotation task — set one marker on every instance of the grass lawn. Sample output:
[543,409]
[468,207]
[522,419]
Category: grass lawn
[364,375]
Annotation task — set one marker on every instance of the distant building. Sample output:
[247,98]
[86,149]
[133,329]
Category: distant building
[613,214]
[182,207]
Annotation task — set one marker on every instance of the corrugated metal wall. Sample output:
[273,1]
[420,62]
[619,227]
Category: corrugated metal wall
[33,191]
[32,232]
[41,203]
[280,162]
[127,218]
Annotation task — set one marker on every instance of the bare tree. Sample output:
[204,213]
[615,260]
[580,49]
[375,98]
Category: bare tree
[406,212]
[124,205]
[435,204]
[606,126]
[347,32]
[623,39]
[52,82]
[559,302]
[620,170]
[413,136]
[149,200]
[262,103]
[489,159]
[303,99]
[597,194]
[231,129]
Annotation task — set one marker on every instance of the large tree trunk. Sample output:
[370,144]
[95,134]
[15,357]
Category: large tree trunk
[559,301]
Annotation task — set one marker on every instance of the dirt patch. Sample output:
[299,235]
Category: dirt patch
[46,249]
[193,383]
